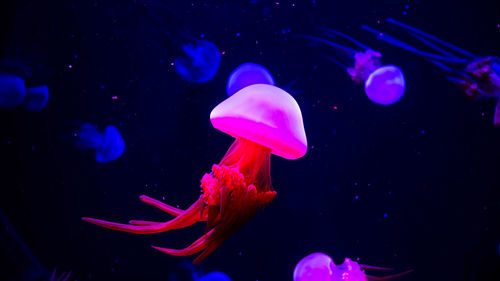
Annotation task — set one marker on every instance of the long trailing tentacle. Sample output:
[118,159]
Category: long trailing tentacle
[393,41]
[389,277]
[343,49]
[372,267]
[333,33]
[160,205]
[448,45]
[433,46]
[195,247]
[187,218]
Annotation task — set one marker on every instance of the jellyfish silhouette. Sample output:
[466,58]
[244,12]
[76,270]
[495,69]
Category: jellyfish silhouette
[195,60]
[264,120]
[384,85]
[478,76]
[214,276]
[109,145]
[17,87]
[320,267]
[248,74]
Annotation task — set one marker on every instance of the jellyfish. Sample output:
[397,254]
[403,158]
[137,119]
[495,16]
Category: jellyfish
[12,90]
[63,277]
[384,84]
[478,76]
[320,267]
[264,120]
[195,60]
[214,276]
[248,74]
[36,98]
[109,145]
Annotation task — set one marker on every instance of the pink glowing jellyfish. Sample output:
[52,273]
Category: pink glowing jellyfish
[384,85]
[320,267]
[248,74]
[264,120]
[478,76]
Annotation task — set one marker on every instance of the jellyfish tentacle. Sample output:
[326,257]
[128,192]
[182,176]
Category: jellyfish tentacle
[189,217]
[332,33]
[335,61]
[433,46]
[496,118]
[195,247]
[344,49]
[388,277]
[433,38]
[160,205]
[143,222]
[372,267]
[393,41]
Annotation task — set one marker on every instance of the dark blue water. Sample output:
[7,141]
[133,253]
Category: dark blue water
[411,186]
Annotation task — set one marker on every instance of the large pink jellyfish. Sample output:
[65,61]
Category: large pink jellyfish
[320,267]
[264,120]
[478,76]
[383,84]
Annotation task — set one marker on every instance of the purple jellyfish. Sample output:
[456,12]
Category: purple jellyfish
[248,74]
[195,60]
[109,145]
[478,76]
[383,84]
[320,267]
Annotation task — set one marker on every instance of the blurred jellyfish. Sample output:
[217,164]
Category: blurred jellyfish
[214,276]
[478,76]
[109,145]
[195,60]
[248,74]
[36,98]
[320,267]
[383,84]
[12,90]
[17,87]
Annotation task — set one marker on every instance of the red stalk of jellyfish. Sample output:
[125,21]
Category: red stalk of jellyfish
[264,120]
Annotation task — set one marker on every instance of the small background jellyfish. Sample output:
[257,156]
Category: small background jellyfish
[384,85]
[477,75]
[320,267]
[195,60]
[187,272]
[248,74]
[109,145]
[18,87]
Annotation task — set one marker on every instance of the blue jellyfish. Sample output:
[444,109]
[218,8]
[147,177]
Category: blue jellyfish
[12,90]
[214,276]
[109,145]
[195,60]
[248,74]
[384,85]
[36,98]
[478,76]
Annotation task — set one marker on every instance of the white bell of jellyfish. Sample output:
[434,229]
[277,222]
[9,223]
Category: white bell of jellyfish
[12,90]
[386,85]
[109,145]
[248,74]
[314,267]
[36,98]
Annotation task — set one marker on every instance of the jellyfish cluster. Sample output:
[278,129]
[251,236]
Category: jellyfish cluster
[320,267]
[16,91]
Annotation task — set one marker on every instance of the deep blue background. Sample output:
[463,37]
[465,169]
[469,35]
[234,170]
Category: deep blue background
[430,162]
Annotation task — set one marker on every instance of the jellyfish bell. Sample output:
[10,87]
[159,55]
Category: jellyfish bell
[214,276]
[386,85]
[112,145]
[36,98]
[248,74]
[12,90]
[199,61]
[314,267]
[266,115]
